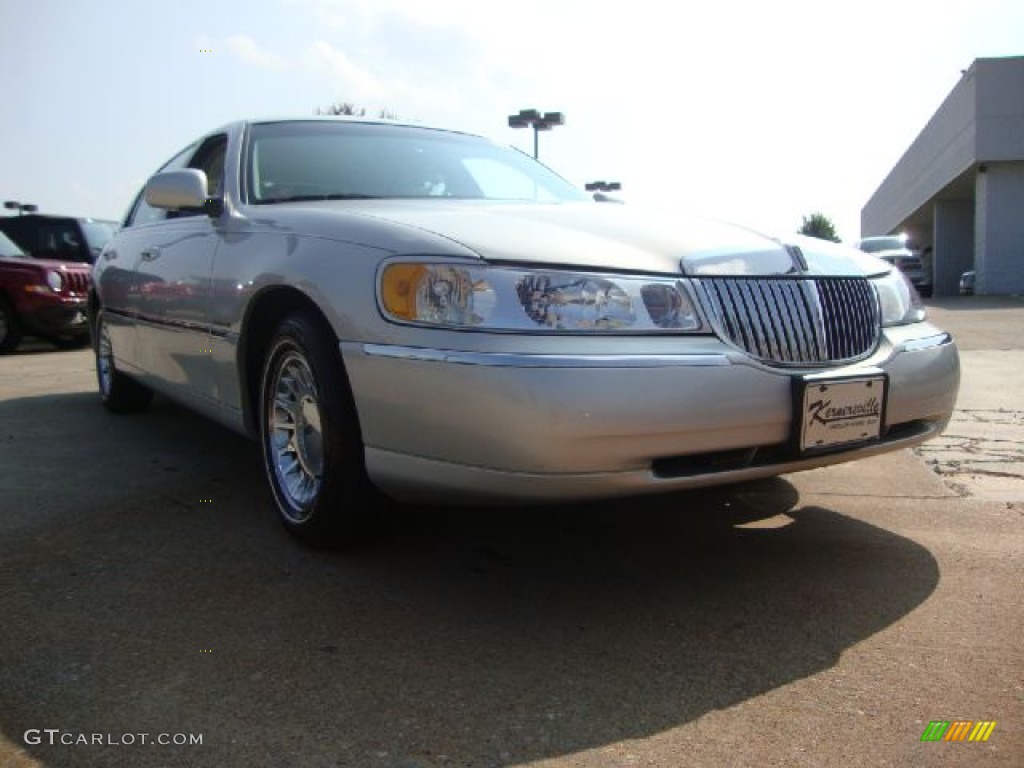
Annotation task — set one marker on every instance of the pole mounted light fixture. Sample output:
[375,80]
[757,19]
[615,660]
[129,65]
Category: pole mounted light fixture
[20,207]
[600,187]
[531,118]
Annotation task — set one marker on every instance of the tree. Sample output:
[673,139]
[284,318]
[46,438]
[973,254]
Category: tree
[350,109]
[342,108]
[819,225]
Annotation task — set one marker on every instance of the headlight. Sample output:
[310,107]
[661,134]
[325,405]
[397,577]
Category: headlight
[53,280]
[898,299]
[506,299]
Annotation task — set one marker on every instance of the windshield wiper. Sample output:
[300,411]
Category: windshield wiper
[309,198]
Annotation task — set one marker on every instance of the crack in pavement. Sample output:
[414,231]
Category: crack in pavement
[984,445]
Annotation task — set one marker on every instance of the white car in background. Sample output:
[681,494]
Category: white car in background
[893,249]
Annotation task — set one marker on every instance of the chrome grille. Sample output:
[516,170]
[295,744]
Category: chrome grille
[794,321]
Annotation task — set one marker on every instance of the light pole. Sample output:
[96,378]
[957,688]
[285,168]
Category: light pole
[538,121]
[600,187]
[21,207]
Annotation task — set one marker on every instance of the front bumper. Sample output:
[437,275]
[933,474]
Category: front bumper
[57,317]
[448,425]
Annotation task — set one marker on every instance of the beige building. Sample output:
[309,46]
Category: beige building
[959,188]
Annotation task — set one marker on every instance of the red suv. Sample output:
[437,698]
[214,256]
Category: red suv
[43,297]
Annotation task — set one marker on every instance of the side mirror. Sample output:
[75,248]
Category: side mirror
[176,190]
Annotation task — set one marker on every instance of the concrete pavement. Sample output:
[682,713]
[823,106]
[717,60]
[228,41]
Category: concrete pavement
[981,453]
[823,619]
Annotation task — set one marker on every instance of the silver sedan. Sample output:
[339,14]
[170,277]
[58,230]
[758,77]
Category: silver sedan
[426,314]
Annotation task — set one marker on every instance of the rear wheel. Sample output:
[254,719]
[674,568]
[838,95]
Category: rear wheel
[312,447]
[10,328]
[119,393]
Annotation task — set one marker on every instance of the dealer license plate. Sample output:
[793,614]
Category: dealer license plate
[840,412]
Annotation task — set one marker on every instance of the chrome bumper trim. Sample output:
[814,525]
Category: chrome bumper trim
[928,342]
[519,360]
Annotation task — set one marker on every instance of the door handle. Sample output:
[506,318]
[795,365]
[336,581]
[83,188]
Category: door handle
[150,253]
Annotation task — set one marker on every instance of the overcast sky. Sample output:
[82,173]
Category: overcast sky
[756,112]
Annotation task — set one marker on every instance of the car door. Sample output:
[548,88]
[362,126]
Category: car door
[173,275]
[117,273]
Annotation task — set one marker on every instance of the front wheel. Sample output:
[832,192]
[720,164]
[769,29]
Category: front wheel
[10,327]
[312,447]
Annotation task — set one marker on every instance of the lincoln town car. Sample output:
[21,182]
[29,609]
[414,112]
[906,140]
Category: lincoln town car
[430,316]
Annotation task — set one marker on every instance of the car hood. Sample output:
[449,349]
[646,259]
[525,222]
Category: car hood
[603,236]
[55,264]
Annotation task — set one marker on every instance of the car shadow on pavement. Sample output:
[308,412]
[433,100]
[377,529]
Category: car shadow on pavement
[33,346]
[149,590]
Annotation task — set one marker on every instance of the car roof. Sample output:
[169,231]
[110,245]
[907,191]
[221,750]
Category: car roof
[343,119]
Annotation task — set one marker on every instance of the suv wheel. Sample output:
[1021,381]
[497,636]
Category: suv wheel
[119,393]
[10,328]
[309,432]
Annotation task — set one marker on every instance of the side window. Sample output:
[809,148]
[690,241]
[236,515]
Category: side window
[142,213]
[58,239]
[210,160]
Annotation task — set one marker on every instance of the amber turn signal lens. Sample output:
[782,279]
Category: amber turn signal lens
[398,289]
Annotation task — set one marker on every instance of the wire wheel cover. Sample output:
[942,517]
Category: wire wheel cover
[295,436]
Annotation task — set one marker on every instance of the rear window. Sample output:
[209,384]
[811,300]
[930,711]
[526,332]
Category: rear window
[8,248]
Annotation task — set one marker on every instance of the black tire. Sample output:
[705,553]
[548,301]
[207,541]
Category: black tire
[119,393]
[311,443]
[10,328]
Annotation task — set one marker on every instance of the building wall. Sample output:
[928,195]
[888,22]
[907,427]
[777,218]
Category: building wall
[962,181]
[942,151]
[1000,109]
[999,229]
[953,238]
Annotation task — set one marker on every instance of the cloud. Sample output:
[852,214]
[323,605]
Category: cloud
[249,51]
[384,87]
[352,81]
[84,196]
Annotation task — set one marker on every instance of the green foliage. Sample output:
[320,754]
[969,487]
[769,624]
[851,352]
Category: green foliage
[351,110]
[342,108]
[819,225]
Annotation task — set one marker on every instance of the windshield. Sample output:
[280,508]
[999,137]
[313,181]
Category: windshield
[8,248]
[876,244]
[318,160]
